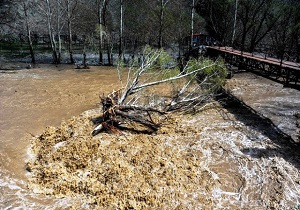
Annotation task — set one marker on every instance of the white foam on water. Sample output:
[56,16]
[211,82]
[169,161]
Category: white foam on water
[17,196]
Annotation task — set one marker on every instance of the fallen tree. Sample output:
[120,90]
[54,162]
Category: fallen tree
[139,108]
[132,171]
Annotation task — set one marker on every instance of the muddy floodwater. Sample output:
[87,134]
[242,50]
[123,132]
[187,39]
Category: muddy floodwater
[244,159]
[30,101]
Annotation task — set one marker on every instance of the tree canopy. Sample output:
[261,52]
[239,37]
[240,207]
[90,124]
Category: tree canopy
[248,25]
[107,26]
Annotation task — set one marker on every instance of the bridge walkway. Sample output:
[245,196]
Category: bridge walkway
[286,72]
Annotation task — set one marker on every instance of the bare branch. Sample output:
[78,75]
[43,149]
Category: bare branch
[196,84]
[138,88]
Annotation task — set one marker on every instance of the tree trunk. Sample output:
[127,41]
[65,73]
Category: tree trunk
[70,48]
[58,14]
[161,19]
[70,32]
[101,13]
[84,56]
[50,31]
[192,23]
[298,52]
[234,23]
[32,54]
[243,41]
[110,62]
[59,48]
[121,31]
[53,47]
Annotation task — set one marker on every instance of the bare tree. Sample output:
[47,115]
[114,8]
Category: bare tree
[192,22]
[8,12]
[285,33]
[102,6]
[121,38]
[26,5]
[234,22]
[254,22]
[59,26]
[218,18]
[71,6]
[46,9]
[163,4]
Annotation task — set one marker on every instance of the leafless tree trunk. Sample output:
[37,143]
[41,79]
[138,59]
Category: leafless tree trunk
[101,13]
[192,22]
[53,43]
[84,57]
[25,10]
[163,4]
[107,34]
[59,28]
[121,55]
[234,23]
[109,49]
[100,34]
[69,22]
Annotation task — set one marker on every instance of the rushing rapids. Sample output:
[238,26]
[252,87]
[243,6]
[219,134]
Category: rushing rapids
[225,156]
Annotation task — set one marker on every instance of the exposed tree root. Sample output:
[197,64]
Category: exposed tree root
[120,117]
[192,87]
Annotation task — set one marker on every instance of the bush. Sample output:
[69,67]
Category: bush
[212,76]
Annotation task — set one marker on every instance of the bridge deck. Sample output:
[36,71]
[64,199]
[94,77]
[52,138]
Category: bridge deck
[261,58]
[286,71]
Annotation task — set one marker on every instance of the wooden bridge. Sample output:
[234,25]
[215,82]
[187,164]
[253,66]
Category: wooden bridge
[285,72]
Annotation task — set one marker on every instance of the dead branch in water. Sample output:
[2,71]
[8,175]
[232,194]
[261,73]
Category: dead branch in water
[137,105]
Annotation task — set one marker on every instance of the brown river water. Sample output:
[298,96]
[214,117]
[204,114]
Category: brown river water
[246,162]
[32,100]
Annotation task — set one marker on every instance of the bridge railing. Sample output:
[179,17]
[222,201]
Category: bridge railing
[270,51]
